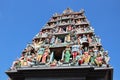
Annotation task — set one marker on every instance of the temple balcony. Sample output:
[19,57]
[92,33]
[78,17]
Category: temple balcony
[64,24]
[85,32]
[95,44]
[62,33]
[82,23]
[79,17]
[69,17]
[48,27]
[58,45]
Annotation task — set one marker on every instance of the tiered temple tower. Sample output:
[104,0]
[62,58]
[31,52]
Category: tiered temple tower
[66,48]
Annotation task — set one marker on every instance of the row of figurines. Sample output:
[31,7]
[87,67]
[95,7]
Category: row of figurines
[66,16]
[69,11]
[74,55]
[68,28]
[59,30]
[52,40]
[73,21]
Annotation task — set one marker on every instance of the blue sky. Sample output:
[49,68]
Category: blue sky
[20,20]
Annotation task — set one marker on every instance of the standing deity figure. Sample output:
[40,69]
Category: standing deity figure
[75,49]
[40,53]
[45,55]
[51,58]
[79,59]
[95,49]
[67,54]
[92,58]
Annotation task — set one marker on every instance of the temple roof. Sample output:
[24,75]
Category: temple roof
[67,39]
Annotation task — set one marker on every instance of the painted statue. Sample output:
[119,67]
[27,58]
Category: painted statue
[86,57]
[45,55]
[67,54]
[75,49]
[40,53]
[106,58]
[67,38]
[99,60]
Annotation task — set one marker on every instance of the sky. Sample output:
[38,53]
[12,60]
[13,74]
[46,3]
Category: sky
[21,20]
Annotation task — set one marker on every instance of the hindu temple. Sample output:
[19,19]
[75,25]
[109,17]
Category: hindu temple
[66,48]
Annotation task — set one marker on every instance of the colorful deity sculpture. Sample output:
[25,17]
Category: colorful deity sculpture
[79,59]
[92,59]
[46,54]
[40,53]
[95,49]
[67,38]
[67,54]
[86,57]
[99,60]
[75,49]
[106,58]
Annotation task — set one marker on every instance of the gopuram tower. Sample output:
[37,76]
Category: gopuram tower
[66,48]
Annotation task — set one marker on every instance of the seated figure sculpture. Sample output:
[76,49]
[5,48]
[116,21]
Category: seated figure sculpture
[99,60]
[86,57]
[23,61]
[106,58]
[15,64]
[32,60]
[67,38]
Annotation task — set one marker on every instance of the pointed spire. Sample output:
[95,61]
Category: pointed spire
[67,11]
[82,10]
